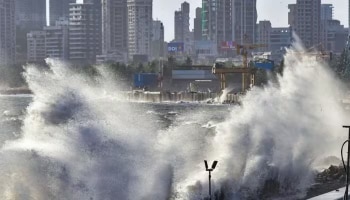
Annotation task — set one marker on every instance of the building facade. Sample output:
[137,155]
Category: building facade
[326,12]
[306,21]
[58,9]
[7,32]
[36,47]
[114,26]
[157,45]
[245,21]
[56,40]
[264,34]
[31,14]
[217,21]
[139,27]
[182,23]
[197,25]
[85,31]
[114,31]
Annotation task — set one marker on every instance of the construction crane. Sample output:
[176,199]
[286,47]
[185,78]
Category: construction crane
[220,70]
[318,52]
[243,50]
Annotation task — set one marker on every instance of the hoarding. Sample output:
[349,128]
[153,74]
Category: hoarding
[175,47]
[145,80]
[228,45]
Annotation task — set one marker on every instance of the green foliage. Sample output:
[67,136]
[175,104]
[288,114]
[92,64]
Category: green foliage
[188,61]
[341,65]
[261,77]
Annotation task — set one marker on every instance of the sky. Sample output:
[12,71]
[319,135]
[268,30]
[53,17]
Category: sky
[274,10]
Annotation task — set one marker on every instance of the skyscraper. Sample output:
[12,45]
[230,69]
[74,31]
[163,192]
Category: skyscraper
[217,23]
[114,26]
[197,25]
[31,14]
[85,31]
[58,9]
[139,27]
[263,34]
[326,12]
[182,23]
[157,39]
[7,32]
[244,19]
[306,21]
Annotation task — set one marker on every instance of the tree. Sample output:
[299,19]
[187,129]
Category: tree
[188,61]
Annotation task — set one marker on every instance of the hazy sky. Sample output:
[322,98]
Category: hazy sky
[274,10]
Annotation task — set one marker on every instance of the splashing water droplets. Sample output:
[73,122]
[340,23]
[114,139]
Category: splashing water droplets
[80,140]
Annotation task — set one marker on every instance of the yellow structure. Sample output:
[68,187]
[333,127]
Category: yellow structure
[248,74]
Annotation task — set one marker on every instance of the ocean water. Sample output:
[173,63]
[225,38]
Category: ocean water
[77,138]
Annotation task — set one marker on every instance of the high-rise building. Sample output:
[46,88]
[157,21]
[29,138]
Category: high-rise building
[264,34]
[114,31]
[209,19]
[306,21]
[157,39]
[58,9]
[197,25]
[245,19]
[335,35]
[7,32]
[31,14]
[56,39]
[182,23]
[280,39]
[85,31]
[139,27]
[36,46]
[276,39]
[114,26]
[326,12]
[217,24]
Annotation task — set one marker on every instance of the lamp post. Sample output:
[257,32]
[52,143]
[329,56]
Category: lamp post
[210,170]
[347,165]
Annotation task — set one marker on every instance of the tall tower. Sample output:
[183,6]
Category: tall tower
[157,39]
[306,21]
[245,19]
[85,31]
[197,23]
[139,27]
[182,23]
[8,32]
[217,23]
[31,14]
[114,26]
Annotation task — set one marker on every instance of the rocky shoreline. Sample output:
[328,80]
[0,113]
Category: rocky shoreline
[328,180]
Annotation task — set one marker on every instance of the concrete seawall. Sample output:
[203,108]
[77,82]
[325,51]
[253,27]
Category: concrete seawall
[180,96]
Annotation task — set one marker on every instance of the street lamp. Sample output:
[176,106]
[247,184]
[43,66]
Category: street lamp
[346,195]
[210,170]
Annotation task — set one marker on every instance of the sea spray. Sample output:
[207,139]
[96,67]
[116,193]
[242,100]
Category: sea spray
[270,144]
[78,143]
[81,140]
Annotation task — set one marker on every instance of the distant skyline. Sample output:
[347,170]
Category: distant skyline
[274,10]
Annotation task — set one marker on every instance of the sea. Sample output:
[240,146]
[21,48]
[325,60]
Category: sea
[78,138]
